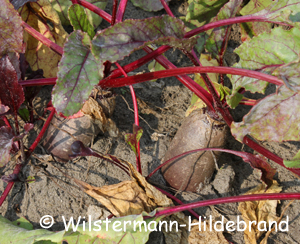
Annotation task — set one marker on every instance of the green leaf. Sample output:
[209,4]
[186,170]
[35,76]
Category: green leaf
[279,11]
[12,233]
[201,37]
[294,163]
[11,31]
[203,10]
[78,73]
[149,5]
[79,19]
[120,40]
[123,230]
[274,118]
[62,6]
[251,29]
[24,113]
[23,223]
[265,53]
[133,139]
[255,6]
[217,42]
[155,66]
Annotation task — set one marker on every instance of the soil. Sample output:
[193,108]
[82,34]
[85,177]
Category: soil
[162,107]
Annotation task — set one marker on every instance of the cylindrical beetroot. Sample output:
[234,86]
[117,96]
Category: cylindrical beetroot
[190,172]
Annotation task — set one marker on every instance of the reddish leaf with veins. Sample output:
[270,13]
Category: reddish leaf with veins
[11,92]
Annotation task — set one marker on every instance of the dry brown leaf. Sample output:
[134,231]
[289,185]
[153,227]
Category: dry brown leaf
[127,197]
[205,236]
[43,18]
[264,241]
[99,110]
[259,211]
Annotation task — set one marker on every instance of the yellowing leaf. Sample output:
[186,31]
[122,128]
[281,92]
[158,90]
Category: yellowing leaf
[128,197]
[43,18]
[263,212]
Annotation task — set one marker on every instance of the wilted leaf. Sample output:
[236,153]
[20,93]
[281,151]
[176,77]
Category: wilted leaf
[11,93]
[265,53]
[62,6]
[6,142]
[19,3]
[97,113]
[78,73]
[120,40]
[294,163]
[11,31]
[217,42]
[43,18]
[127,197]
[204,10]
[149,5]
[134,138]
[259,211]
[79,19]
[274,118]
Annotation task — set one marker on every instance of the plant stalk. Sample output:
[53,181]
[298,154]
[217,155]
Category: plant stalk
[255,197]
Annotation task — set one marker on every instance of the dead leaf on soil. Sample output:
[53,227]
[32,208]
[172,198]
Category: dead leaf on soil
[43,18]
[127,197]
[259,211]
[99,110]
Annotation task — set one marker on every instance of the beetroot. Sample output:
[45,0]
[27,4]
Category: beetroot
[190,172]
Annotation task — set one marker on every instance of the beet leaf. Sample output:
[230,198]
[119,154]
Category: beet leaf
[294,163]
[120,40]
[19,3]
[62,6]
[204,10]
[217,42]
[11,31]
[44,19]
[11,93]
[274,118]
[78,73]
[79,20]
[149,5]
[265,53]
[133,139]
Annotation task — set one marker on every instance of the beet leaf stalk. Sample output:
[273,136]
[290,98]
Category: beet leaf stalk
[223,200]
